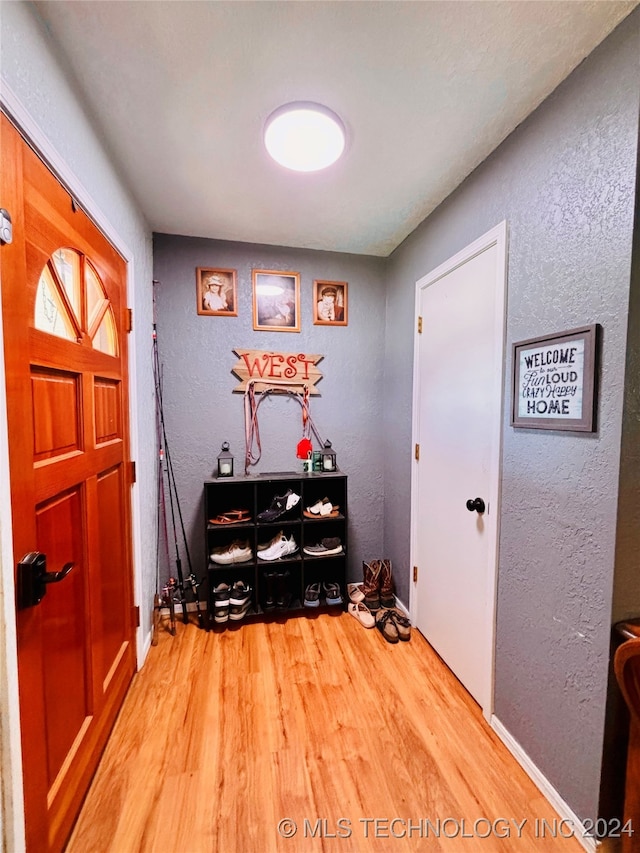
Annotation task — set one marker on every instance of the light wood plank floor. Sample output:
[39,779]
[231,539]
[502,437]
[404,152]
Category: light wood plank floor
[316,720]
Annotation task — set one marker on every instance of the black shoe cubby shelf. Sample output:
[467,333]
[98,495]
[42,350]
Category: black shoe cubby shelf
[278,585]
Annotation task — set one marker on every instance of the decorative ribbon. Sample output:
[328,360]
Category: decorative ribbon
[252,428]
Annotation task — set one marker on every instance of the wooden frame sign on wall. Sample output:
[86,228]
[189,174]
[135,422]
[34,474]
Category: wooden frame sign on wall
[554,381]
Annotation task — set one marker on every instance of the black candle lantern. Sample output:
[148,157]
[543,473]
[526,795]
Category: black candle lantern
[328,458]
[225,461]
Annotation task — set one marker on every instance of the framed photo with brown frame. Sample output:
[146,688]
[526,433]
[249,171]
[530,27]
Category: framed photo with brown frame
[330,303]
[216,292]
[276,301]
[554,381]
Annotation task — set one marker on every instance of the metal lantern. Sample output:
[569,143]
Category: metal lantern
[328,458]
[225,461]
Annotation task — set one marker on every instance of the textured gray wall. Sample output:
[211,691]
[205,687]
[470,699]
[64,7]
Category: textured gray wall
[564,181]
[202,411]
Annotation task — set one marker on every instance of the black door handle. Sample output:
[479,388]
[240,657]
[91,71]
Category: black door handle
[33,578]
[476,505]
[56,577]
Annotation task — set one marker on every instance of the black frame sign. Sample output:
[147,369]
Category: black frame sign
[554,381]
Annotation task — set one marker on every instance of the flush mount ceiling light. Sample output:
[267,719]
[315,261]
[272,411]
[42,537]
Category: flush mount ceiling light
[304,137]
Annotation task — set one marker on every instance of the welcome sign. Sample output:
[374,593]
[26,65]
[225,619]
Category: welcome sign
[554,379]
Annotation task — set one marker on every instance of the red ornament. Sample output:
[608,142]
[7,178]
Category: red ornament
[304,448]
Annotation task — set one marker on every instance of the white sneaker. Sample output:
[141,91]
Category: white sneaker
[237,552]
[265,545]
[281,547]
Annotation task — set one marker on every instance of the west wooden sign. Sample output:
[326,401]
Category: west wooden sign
[273,369]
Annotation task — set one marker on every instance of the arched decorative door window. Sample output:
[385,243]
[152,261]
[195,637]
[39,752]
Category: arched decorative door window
[71,302]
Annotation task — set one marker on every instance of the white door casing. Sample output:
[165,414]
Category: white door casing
[457,421]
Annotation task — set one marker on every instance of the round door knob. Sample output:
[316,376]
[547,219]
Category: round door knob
[475,505]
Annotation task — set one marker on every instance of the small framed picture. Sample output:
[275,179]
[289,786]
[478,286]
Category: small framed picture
[330,303]
[276,301]
[554,381]
[216,292]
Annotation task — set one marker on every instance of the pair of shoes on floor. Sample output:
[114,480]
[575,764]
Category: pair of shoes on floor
[278,547]
[362,613]
[357,607]
[378,585]
[332,594]
[237,552]
[279,506]
[393,625]
[277,594]
[322,509]
[231,602]
[355,593]
[327,547]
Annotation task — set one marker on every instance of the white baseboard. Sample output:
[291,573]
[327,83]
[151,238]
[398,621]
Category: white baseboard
[546,788]
[146,646]
[400,606]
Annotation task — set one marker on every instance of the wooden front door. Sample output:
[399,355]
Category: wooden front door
[63,292]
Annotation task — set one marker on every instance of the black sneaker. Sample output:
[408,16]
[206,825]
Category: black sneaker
[326,548]
[221,601]
[279,505]
[270,592]
[283,595]
[312,595]
[240,601]
[332,594]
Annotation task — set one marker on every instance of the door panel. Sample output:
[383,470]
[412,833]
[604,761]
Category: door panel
[460,362]
[111,546]
[107,415]
[68,451]
[56,403]
[64,653]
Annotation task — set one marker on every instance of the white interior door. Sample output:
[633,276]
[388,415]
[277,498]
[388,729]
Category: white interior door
[457,424]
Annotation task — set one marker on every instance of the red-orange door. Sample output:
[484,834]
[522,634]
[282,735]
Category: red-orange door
[63,291]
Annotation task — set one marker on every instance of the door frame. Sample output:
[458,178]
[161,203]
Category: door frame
[498,237]
[12,826]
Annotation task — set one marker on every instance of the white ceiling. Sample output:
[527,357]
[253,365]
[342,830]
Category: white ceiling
[180,92]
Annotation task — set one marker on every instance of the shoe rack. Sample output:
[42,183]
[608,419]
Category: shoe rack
[282,581]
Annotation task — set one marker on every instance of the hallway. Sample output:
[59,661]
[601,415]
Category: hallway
[376,747]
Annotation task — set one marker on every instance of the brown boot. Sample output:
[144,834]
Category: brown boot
[387,597]
[371,584]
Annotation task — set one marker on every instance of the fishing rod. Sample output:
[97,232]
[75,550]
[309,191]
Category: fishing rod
[166,598]
[174,501]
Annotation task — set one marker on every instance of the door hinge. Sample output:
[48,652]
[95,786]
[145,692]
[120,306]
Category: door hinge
[417,452]
[136,616]
[419,325]
[128,319]
[415,574]
[6,229]
[132,472]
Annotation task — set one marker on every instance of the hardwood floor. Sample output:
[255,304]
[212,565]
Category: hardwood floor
[317,720]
